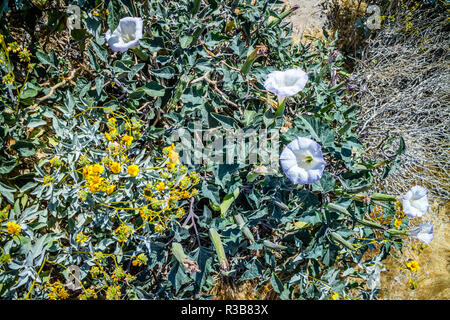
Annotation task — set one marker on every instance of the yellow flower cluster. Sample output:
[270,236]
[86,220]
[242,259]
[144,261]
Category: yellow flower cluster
[13,228]
[163,196]
[88,294]
[172,157]
[140,260]
[335,296]
[113,292]
[115,167]
[413,265]
[127,140]
[133,170]
[101,13]
[94,181]
[23,54]
[118,274]
[47,179]
[133,128]
[399,214]
[81,237]
[5,258]
[94,271]
[123,233]
[57,291]
[113,280]
[4,213]
[55,162]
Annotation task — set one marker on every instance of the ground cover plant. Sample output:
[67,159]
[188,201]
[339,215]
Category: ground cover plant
[116,179]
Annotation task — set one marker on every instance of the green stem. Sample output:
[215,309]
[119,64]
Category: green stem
[280,108]
[196,6]
[21,91]
[273,21]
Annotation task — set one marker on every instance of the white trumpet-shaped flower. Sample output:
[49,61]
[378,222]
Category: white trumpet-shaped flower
[302,161]
[127,34]
[286,83]
[415,202]
[423,232]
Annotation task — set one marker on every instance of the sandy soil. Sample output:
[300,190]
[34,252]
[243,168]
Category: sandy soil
[309,18]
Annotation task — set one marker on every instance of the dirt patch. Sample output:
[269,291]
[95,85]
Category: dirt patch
[432,280]
[309,19]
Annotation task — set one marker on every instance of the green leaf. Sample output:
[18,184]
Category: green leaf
[7,192]
[7,166]
[185,41]
[99,51]
[36,122]
[254,270]
[114,14]
[165,73]
[313,217]
[227,201]
[78,34]
[93,60]
[211,192]
[134,70]
[177,276]
[45,58]
[249,116]
[319,131]
[226,122]
[29,92]
[153,44]
[121,66]
[325,184]
[24,148]
[154,89]
[137,94]
[276,283]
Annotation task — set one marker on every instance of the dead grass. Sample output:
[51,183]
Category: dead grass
[342,17]
[225,289]
[403,77]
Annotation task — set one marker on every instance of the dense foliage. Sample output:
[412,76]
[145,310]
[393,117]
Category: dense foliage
[96,195]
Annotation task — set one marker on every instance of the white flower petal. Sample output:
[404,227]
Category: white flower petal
[415,202]
[423,232]
[297,175]
[302,161]
[127,34]
[314,175]
[426,238]
[286,83]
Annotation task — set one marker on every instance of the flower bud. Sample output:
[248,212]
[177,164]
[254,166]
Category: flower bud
[215,238]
